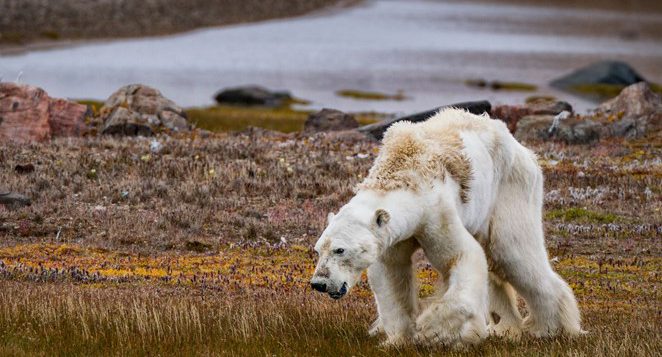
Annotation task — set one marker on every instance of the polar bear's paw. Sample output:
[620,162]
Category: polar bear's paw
[510,331]
[447,325]
[394,342]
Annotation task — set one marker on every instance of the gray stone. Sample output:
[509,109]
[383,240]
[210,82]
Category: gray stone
[636,111]
[329,120]
[573,130]
[122,121]
[14,200]
[252,95]
[141,110]
[604,72]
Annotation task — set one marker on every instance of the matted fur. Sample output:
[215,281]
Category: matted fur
[416,154]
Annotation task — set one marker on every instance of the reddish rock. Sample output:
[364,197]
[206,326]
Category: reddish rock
[512,114]
[67,118]
[28,114]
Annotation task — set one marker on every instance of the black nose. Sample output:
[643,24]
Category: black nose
[321,287]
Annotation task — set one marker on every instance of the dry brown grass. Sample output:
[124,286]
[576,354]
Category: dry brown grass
[180,252]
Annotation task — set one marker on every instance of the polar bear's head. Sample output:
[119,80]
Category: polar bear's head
[351,242]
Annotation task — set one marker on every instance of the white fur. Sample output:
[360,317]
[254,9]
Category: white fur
[379,231]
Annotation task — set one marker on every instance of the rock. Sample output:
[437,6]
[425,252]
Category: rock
[637,110]
[24,168]
[544,106]
[28,114]
[252,95]
[635,100]
[14,200]
[603,72]
[377,130]
[573,130]
[598,80]
[512,114]
[534,127]
[137,109]
[122,121]
[329,120]
[67,118]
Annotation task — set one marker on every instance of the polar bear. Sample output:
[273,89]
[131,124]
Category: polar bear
[460,187]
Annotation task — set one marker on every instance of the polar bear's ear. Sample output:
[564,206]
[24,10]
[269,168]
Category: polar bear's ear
[329,217]
[381,217]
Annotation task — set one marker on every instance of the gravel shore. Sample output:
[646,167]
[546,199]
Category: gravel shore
[28,21]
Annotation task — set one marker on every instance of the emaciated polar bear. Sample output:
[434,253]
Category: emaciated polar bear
[460,187]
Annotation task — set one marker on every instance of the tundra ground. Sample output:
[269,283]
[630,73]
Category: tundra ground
[205,247]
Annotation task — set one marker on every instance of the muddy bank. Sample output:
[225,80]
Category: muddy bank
[29,21]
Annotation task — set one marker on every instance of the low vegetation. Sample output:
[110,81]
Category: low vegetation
[366,95]
[205,247]
[500,85]
[285,119]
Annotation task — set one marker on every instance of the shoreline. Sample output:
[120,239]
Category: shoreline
[32,42]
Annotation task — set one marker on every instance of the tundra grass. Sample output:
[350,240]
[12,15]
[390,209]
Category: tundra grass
[204,247]
[235,118]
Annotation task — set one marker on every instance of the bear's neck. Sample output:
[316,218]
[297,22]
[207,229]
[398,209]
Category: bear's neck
[406,210]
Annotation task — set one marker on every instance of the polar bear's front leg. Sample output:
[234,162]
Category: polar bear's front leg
[459,315]
[393,282]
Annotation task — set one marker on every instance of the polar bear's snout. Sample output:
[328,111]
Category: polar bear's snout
[323,283]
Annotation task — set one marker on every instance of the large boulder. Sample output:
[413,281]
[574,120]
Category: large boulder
[570,130]
[329,120]
[512,114]
[599,80]
[377,130]
[137,109]
[252,95]
[28,114]
[633,113]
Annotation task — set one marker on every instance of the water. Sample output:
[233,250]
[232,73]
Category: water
[425,48]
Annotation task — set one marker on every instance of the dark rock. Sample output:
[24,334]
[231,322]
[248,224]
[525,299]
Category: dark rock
[24,168]
[28,114]
[548,107]
[14,200]
[604,72]
[252,95]
[141,110]
[329,120]
[377,130]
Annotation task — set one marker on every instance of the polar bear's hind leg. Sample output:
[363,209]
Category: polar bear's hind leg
[516,247]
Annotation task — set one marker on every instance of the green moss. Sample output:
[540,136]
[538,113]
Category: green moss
[513,86]
[94,105]
[363,95]
[606,91]
[236,118]
[12,38]
[576,214]
[51,35]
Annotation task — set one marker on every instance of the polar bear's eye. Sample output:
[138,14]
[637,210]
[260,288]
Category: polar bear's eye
[339,251]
